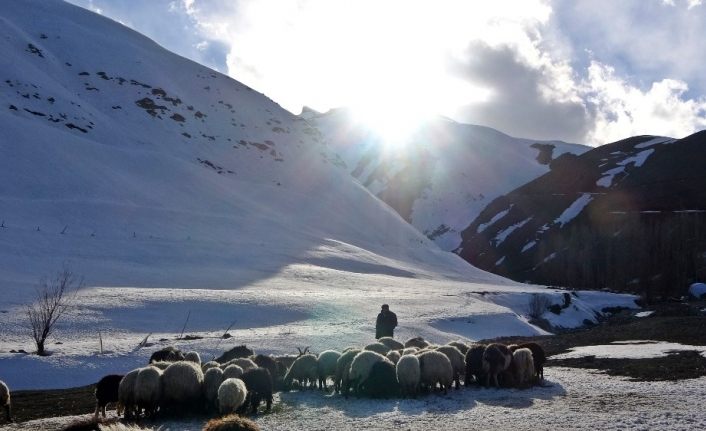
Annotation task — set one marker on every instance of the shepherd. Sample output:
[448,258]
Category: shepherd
[386,322]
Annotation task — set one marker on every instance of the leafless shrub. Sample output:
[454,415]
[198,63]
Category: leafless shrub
[53,299]
[538,304]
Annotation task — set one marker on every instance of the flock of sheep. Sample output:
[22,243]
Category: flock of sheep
[239,380]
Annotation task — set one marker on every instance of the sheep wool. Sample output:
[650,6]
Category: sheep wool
[148,389]
[181,383]
[393,356]
[193,357]
[435,368]
[303,369]
[361,366]
[377,348]
[126,393]
[231,395]
[524,366]
[232,372]
[343,368]
[211,382]
[5,401]
[458,362]
[408,374]
[326,366]
[391,343]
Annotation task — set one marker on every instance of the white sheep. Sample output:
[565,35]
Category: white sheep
[212,380]
[244,363]
[232,372]
[460,345]
[148,390]
[408,374]
[119,426]
[377,348]
[435,368]
[208,365]
[524,366]
[417,342]
[231,395]
[181,384]
[303,369]
[458,362]
[361,366]
[162,365]
[126,393]
[193,357]
[326,366]
[391,343]
[393,356]
[409,350]
[343,368]
[5,401]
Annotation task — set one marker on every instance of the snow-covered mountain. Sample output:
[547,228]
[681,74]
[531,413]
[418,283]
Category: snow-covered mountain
[180,193]
[630,215]
[441,175]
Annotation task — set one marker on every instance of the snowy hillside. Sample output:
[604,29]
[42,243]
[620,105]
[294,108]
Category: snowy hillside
[177,191]
[443,174]
[629,215]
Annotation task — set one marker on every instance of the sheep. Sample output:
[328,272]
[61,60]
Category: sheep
[360,368]
[269,363]
[474,363]
[343,368]
[232,372]
[236,352]
[457,362]
[408,374]
[126,393]
[381,381]
[244,363]
[409,350]
[208,365]
[326,366]
[212,380]
[524,365]
[259,385]
[285,361]
[417,342]
[102,425]
[377,348]
[181,384]
[148,390]
[435,367]
[496,358]
[231,423]
[167,354]
[106,392]
[391,343]
[193,357]
[303,369]
[393,356]
[6,402]
[162,365]
[231,395]
[538,357]
[460,345]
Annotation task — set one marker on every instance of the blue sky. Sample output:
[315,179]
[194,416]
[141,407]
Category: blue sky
[589,71]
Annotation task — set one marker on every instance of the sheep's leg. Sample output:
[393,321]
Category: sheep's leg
[8,412]
[95,414]
[103,409]
[487,380]
[269,402]
[495,379]
[458,382]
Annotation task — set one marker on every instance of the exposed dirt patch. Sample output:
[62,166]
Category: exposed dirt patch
[28,405]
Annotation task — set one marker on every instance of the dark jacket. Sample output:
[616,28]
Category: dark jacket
[385,325]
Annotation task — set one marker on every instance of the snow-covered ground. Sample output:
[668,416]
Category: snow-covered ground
[571,399]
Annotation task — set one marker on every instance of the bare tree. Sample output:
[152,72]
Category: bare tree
[538,304]
[54,297]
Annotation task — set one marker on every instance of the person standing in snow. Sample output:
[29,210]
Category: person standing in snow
[386,322]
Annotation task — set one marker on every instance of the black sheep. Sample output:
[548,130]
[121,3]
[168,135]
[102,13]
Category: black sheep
[167,354]
[382,381]
[107,392]
[259,384]
[474,364]
[496,359]
[234,353]
[269,363]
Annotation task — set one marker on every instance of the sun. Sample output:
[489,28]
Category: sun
[392,120]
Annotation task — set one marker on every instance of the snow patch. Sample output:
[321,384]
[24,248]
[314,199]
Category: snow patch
[503,234]
[574,209]
[635,349]
[654,141]
[528,246]
[496,217]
